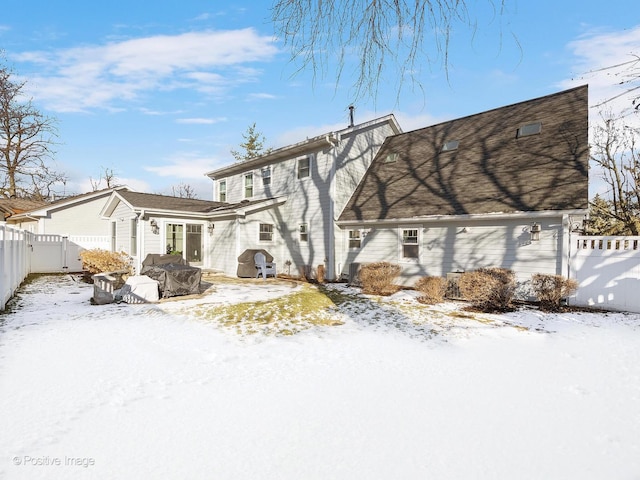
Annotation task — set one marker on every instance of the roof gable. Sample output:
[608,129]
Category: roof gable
[492,169]
[304,147]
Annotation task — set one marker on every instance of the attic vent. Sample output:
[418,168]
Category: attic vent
[529,129]
[450,145]
[391,158]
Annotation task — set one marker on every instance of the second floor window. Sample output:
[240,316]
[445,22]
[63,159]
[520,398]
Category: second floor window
[222,191]
[303,167]
[248,185]
[266,176]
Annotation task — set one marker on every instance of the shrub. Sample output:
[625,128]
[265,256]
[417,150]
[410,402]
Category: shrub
[551,289]
[432,289]
[489,289]
[98,261]
[377,278]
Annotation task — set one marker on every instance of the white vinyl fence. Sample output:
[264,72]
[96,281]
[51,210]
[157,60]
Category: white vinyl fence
[22,253]
[15,257]
[608,272]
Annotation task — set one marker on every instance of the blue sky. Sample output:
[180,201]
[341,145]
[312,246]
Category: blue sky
[160,92]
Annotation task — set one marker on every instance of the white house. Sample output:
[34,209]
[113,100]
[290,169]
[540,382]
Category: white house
[285,202]
[313,179]
[76,217]
[503,188]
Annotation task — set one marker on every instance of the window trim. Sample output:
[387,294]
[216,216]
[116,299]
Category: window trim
[308,159]
[304,232]
[222,190]
[529,129]
[354,238]
[402,243]
[261,233]
[266,179]
[133,236]
[450,146]
[245,186]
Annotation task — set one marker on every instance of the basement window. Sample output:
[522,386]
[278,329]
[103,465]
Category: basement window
[529,129]
[450,145]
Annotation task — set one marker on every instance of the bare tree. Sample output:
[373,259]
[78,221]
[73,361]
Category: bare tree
[107,176]
[26,144]
[626,75]
[183,190]
[381,34]
[253,145]
[616,154]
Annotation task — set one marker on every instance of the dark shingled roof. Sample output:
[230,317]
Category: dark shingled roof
[164,202]
[491,171]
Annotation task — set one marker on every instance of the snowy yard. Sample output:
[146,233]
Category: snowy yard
[383,389]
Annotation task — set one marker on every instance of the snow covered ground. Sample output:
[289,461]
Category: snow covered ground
[396,391]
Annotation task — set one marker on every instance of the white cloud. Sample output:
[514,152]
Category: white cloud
[185,166]
[201,121]
[83,78]
[596,55]
[261,96]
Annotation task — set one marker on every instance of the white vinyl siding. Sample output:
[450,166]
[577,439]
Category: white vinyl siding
[454,246]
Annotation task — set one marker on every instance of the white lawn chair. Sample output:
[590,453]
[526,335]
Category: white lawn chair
[264,268]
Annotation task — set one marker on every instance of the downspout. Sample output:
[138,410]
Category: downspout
[330,261]
[140,240]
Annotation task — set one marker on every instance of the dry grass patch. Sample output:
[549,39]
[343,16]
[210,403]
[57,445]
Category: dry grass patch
[287,315]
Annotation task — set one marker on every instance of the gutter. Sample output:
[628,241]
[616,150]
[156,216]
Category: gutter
[468,217]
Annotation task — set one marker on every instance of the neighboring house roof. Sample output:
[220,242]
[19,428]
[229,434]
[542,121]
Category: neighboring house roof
[492,169]
[301,148]
[14,206]
[43,210]
[167,205]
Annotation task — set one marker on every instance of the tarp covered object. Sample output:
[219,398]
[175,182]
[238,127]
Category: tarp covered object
[139,289]
[174,279]
[247,263]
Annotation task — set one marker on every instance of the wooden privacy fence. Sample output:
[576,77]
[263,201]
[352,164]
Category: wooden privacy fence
[608,272]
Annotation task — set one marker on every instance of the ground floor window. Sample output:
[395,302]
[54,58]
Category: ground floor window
[410,246]
[186,240]
[113,236]
[134,237]
[266,232]
[355,240]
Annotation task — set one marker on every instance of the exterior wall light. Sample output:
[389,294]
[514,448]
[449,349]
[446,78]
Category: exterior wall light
[210,228]
[154,226]
[535,232]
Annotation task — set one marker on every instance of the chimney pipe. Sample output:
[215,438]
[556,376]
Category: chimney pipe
[351,109]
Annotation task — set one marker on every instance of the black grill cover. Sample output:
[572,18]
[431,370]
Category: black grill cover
[174,279]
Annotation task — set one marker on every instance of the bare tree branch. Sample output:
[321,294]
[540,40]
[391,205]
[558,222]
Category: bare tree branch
[380,34]
[26,144]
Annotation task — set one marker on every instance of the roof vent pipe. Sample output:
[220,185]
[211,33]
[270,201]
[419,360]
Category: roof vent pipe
[351,109]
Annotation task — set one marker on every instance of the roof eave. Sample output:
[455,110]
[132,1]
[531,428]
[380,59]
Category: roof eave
[467,217]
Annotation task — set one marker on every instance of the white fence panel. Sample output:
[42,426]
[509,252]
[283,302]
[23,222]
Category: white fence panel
[15,256]
[608,272]
[78,243]
[49,252]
